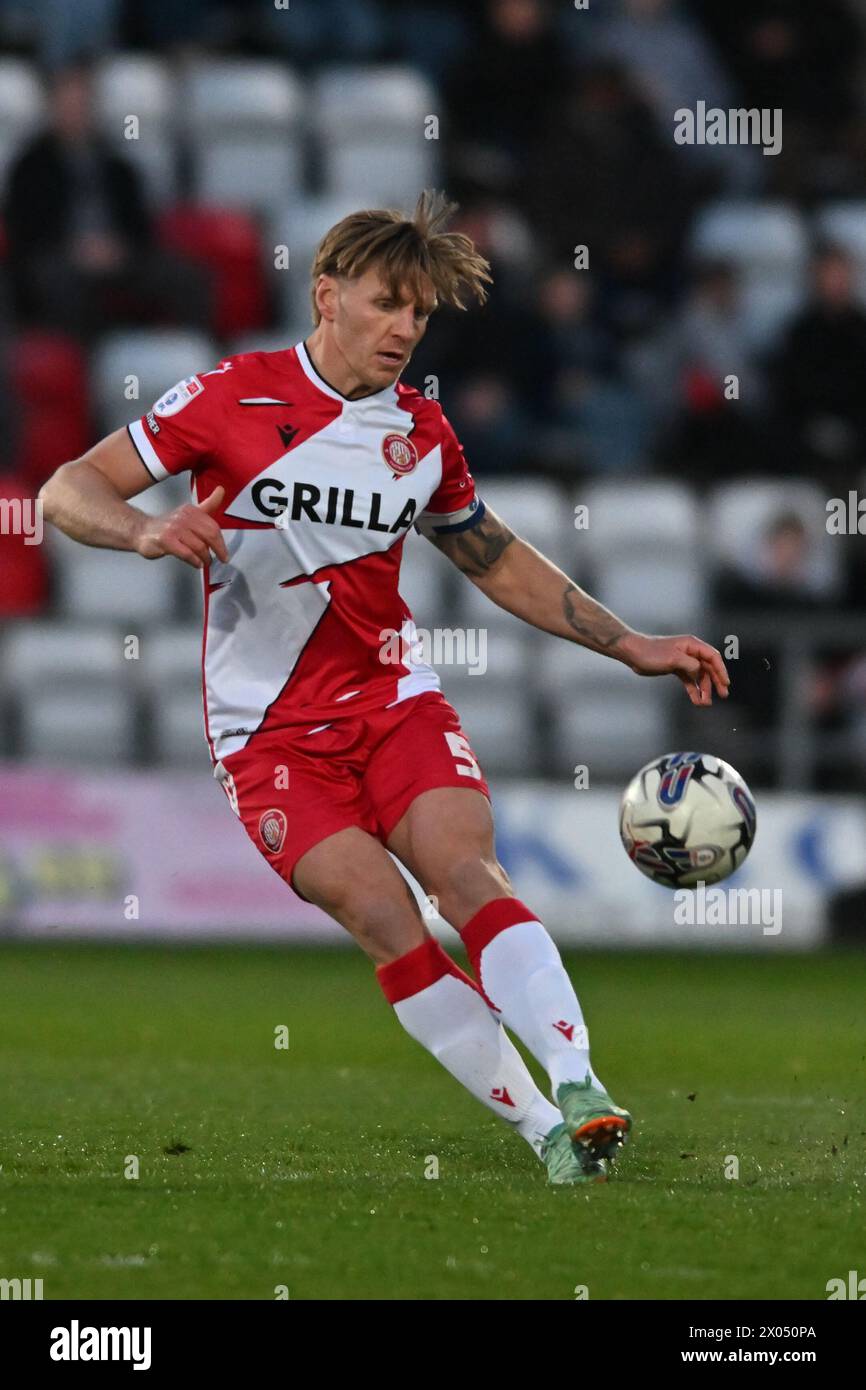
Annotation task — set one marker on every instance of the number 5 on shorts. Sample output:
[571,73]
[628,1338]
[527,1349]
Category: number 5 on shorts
[463,755]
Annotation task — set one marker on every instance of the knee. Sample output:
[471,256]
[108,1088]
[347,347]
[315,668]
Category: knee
[467,883]
[384,928]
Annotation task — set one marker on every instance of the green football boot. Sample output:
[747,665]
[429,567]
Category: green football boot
[597,1128]
[565,1164]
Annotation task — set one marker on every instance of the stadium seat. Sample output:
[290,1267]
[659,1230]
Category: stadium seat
[111,585]
[36,655]
[370,127]
[299,224]
[157,358]
[764,240]
[245,122]
[171,676]
[767,308]
[24,588]
[75,723]
[190,594]
[498,721]
[483,658]
[643,544]
[136,84]
[666,593]
[74,692]
[610,732]
[472,608]
[767,244]
[48,376]
[602,715]
[738,513]
[21,108]
[635,512]
[171,657]
[536,509]
[425,582]
[177,729]
[227,244]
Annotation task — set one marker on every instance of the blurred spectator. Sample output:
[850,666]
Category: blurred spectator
[595,179]
[324,31]
[817,375]
[637,284]
[783,59]
[490,425]
[713,421]
[431,36]
[710,330]
[599,425]
[575,338]
[838,698]
[505,338]
[785,576]
[674,67]
[69,32]
[58,32]
[81,250]
[499,95]
[594,421]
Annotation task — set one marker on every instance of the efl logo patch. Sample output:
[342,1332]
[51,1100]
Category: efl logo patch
[400,454]
[272,830]
[179,396]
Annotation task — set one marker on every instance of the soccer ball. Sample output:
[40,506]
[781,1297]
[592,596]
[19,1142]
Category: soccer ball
[687,818]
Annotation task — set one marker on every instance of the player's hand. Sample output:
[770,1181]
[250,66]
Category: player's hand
[698,665]
[189,532]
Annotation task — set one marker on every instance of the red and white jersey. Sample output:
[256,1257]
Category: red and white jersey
[320,493]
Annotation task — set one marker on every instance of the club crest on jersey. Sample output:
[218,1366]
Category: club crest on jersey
[179,396]
[400,454]
[272,830]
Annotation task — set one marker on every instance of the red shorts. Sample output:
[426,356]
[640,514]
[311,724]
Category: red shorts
[296,787]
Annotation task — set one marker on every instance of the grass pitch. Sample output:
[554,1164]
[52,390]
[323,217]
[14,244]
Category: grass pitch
[305,1168]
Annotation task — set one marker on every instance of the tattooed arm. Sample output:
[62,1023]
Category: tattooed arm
[517,577]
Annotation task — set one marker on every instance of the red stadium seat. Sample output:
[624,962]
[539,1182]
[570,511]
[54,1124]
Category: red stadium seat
[24,591]
[226,243]
[48,378]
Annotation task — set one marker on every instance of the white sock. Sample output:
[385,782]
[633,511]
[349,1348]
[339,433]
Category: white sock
[521,974]
[442,1009]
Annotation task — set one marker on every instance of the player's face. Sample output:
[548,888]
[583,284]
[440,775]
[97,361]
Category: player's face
[377,333]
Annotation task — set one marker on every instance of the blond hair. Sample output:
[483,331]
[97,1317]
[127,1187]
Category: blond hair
[404,250]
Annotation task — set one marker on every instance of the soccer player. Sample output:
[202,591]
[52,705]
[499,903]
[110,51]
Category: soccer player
[309,466]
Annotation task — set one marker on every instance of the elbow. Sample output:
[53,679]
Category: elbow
[47,496]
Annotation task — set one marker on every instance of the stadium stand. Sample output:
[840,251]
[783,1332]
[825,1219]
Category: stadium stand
[248,142]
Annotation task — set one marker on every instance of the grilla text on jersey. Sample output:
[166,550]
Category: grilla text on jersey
[337,507]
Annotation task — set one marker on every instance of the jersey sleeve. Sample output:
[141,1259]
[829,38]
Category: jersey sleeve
[182,428]
[454,505]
